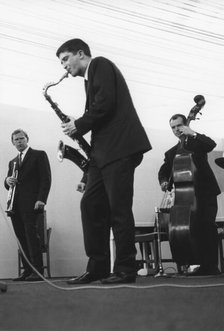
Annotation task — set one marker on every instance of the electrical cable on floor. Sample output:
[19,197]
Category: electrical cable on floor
[100,286]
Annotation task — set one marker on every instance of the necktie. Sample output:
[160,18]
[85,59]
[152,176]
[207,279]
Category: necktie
[86,84]
[20,158]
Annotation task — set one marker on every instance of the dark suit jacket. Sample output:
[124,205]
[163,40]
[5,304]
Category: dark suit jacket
[34,179]
[110,115]
[205,179]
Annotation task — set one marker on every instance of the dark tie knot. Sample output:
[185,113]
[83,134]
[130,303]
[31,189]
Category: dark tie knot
[86,84]
[20,158]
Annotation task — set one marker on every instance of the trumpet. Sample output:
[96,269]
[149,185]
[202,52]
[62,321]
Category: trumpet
[11,193]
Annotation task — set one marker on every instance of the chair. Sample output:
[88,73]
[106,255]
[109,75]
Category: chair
[149,240]
[146,237]
[148,249]
[44,234]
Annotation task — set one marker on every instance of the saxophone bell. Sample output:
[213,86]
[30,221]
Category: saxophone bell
[72,154]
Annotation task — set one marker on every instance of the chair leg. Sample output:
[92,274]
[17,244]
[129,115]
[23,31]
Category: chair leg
[19,263]
[146,259]
[150,257]
[156,254]
[48,264]
[48,253]
[221,257]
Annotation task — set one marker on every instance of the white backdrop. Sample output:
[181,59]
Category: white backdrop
[169,51]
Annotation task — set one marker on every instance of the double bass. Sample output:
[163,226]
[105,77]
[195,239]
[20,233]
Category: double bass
[184,211]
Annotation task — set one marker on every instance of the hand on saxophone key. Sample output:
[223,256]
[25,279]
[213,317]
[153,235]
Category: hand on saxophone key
[69,127]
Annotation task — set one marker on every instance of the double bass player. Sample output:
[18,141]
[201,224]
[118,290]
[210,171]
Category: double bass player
[204,230]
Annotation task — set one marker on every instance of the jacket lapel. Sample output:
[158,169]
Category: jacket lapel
[26,157]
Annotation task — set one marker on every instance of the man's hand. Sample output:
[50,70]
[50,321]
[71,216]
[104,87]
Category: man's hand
[39,205]
[11,181]
[187,131]
[164,186]
[69,127]
[81,187]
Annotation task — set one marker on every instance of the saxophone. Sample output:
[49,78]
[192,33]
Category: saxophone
[65,151]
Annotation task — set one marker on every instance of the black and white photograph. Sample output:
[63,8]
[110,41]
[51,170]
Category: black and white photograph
[112,165]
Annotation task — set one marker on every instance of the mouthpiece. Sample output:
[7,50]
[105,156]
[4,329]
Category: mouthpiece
[64,76]
[46,87]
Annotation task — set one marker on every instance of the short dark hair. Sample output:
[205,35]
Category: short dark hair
[175,116]
[74,45]
[19,131]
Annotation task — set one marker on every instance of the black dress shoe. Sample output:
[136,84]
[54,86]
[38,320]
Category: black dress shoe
[22,277]
[120,278]
[86,278]
[33,278]
[204,271]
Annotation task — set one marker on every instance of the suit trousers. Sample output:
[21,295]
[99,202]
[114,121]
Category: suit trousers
[25,227]
[205,230]
[107,203]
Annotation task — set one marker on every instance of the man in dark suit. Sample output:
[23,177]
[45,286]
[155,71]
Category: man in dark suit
[118,142]
[206,191]
[32,187]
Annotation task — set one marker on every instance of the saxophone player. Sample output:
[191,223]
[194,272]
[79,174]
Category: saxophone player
[32,187]
[118,142]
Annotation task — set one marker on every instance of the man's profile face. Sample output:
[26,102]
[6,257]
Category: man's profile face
[176,126]
[20,141]
[71,62]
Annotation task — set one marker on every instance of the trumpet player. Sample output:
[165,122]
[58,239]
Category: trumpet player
[118,142]
[32,187]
